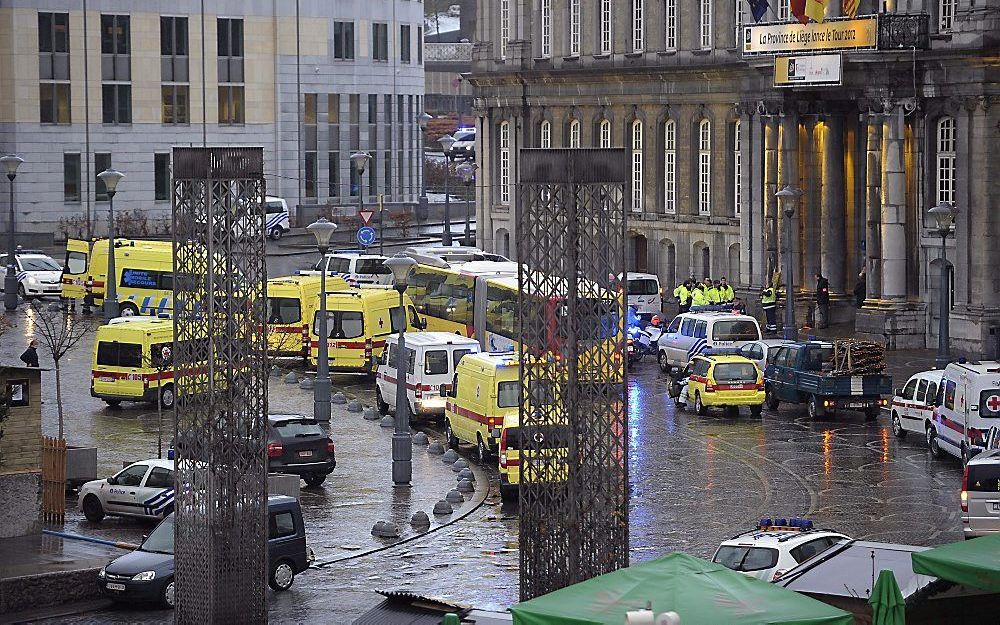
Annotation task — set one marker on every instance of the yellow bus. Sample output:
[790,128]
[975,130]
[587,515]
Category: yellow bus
[446,296]
[144,275]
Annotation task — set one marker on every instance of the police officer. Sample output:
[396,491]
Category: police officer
[769,302]
[683,295]
[822,301]
[726,292]
[698,297]
[712,293]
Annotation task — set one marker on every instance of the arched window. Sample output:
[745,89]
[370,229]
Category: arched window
[737,171]
[670,24]
[670,166]
[946,15]
[705,167]
[546,23]
[606,21]
[945,170]
[605,134]
[545,134]
[574,133]
[574,28]
[504,145]
[637,166]
[638,26]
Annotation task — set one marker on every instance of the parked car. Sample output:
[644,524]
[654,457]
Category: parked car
[913,405]
[725,381]
[760,351]
[37,273]
[297,445]
[146,575]
[980,498]
[691,333]
[142,489]
[464,146]
[772,548]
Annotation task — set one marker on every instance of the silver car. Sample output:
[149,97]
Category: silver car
[757,351]
[981,495]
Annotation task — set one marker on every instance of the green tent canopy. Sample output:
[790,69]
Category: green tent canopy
[974,563]
[701,592]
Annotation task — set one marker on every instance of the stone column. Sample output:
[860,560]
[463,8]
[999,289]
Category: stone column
[893,208]
[752,209]
[485,179]
[769,201]
[833,239]
[810,201]
[873,209]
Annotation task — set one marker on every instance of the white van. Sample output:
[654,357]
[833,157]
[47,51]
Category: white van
[968,404]
[436,354]
[357,268]
[644,294]
[689,334]
[913,405]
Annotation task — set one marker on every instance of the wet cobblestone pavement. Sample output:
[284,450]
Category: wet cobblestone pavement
[695,482]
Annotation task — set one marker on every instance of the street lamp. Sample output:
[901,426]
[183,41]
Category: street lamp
[402,448]
[944,218]
[10,164]
[360,162]
[788,197]
[322,230]
[111,178]
[446,142]
[422,120]
[468,173]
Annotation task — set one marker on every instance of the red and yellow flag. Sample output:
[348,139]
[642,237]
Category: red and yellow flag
[851,8]
[799,11]
[816,9]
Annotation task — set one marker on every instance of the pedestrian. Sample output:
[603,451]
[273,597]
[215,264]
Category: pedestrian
[860,290]
[30,355]
[683,295]
[738,306]
[769,302]
[712,292]
[822,301]
[726,292]
[698,297]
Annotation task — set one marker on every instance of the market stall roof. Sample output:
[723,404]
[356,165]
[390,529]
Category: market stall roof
[699,591]
[974,563]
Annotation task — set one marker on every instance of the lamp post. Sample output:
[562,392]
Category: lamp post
[422,120]
[360,162]
[788,197]
[402,447]
[944,217]
[10,164]
[446,142]
[468,173]
[322,230]
[111,178]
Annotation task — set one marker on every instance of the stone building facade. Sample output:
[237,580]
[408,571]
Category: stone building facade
[95,83]
[712,140]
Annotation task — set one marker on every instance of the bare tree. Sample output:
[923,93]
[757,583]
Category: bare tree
[59,331]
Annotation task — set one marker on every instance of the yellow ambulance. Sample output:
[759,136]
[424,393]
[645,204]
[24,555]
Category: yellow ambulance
[290,307]
[553,447]
[144,275]
[358,323]
[130,362]
[485,391]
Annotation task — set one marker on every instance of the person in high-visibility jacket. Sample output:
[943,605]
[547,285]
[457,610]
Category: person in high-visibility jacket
[769,302]
[698,297]
[712,293]
[726,293]
[683,295]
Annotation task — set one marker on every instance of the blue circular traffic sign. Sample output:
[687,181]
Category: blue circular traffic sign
[366,235]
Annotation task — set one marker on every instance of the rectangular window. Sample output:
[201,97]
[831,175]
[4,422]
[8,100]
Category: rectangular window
[380,42]
[372,123]
[116,72]
[574,27]
[333,162]
[783,10]
[606,22]
[637,166]
[546,27]
[54,104]
[738,16]
[230,37]
[706,24]
[53,46]
[420,45]
[71,177]
[737,171]
[334,171]
[117,103]
[504,162]
[175,108]
[310,134]
[343,40]
[115,35]
[670,167]
[231,105]
[638,26]
[545,134]
[175,92]
[946,15]
[404,43]
[173,36]
[574,133]
[354,121]
[505,26]
[670,24]
[102,162]
[161,177]
[310,167]
[705,167]
[232,109]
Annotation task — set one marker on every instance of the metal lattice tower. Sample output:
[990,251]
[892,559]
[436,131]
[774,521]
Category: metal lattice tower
[221,385]
[571,313]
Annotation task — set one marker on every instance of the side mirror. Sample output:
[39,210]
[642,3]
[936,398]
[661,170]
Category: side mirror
[144,537]
[898,392]
[112,481]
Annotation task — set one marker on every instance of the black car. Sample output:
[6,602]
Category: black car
[147,574]
[297,445]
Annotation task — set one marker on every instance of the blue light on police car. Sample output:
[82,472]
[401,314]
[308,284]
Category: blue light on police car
[170,454]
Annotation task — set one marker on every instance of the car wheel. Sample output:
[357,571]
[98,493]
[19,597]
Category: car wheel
[756,410]
[450,435]
[482,451]
[167,596]
[813,407]
[932,442]
[897,426]
[661,359]
[282,575]
[276,233]
[314,479]
[127,310]
[92,509]
[698,406]
[21,292]
[770,398]
[114,403]
[167,396]
[383,406]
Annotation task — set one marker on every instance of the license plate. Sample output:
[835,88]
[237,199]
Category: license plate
[857,405]
[112,586]
[106,379]
[995,506]
[306,454]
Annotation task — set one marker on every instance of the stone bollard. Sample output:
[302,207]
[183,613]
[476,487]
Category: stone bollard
[371,414]
[459,465]
[467,474]
[275,372]
[466,486]
[454,496]
[354,406]
[449,457]
[435,448]
[388,422]
[443,508]
[338,398]
[420,519]
[385,529]
[291,378]
[420,439]
[307,384]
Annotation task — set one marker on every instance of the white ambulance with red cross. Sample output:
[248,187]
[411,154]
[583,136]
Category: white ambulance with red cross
[968,406]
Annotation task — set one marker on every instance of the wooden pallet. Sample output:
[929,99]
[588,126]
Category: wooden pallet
[53,479]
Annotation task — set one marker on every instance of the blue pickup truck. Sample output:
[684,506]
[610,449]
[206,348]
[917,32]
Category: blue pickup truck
[801,373]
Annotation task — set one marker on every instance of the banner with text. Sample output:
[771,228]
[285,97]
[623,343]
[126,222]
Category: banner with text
[856,34]
[808,70]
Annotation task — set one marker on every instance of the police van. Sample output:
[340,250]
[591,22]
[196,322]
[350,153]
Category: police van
[144,275]
[433,358]
[691,333]
[644,294]
[277,221]
[37,273]
[968,404]
[358,268]
[143,489]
